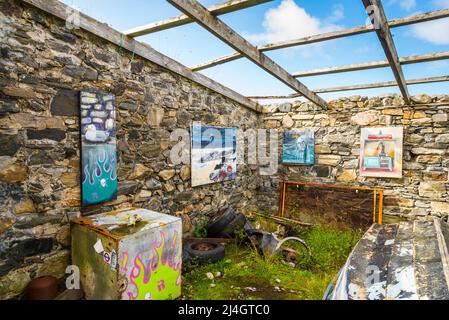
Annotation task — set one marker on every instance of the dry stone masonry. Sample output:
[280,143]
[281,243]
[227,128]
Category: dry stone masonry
[423,189]
[43,67]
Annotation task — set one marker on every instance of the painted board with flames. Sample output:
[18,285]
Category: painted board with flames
[98,148]
[130,254]
[381,152]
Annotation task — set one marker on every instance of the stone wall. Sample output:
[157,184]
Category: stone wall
[43,66]
[423,189]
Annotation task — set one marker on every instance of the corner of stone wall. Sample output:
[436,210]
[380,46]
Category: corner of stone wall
[423,189]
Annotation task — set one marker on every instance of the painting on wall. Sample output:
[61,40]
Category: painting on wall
[299,147]
[98,148]
[381,152]
[214,154]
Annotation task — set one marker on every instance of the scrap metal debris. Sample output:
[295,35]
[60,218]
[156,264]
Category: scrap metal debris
[269,244]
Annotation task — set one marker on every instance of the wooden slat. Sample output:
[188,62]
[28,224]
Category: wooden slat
[290,96]
[371,254]
[429,16]
[358,87]
[381,207]
[285,220]
[288,44]
[222,31]
[218,61]
[419,18]
[373,64]
[102,30]
[427,260]
[401,282]
[383,84]
[444,252]
[216,9]
[341,69]
[383,32]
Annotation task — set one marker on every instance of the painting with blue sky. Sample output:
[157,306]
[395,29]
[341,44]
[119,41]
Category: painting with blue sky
[281,20]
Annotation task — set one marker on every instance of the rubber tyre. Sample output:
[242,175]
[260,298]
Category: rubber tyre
[238,222]
[208,256]
[220,223]
[185,257]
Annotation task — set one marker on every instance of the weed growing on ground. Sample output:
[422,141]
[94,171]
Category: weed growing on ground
[244,274]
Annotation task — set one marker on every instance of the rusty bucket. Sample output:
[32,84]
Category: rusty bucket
[42,288]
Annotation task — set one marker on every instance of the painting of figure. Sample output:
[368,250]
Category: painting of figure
[214,154]
[299,147]
[381,152]
[98,148]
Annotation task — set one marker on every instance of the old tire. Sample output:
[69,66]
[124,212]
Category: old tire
[205,251]
[237,223]
[217,225]
[185,258]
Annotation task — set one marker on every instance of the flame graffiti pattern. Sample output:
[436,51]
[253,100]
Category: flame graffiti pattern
[99,179]
[163,263]
[104,166]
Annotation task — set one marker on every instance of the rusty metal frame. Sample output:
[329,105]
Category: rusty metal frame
[377,192]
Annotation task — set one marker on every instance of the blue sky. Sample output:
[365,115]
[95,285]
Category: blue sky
[289,19]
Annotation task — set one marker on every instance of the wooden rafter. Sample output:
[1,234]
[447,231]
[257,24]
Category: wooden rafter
[384,84]
[424,17]
[419,18]
[373,64]
[357,87]
[62,11]
[222,31]
[383,32]
[216,9]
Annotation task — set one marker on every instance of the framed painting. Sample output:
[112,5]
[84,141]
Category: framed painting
[299,147]
[381,152]
[213,154]
[98,148]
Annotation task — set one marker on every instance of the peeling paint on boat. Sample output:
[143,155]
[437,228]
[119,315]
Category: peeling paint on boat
[411,259]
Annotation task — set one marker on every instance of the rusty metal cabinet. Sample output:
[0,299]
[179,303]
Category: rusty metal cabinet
[131,254]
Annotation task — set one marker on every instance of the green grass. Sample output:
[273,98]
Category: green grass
[246,275]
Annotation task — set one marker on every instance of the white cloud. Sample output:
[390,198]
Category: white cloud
[405,4]
[338,13]
[289,21]
[441,3]
[408,4]
[436,32]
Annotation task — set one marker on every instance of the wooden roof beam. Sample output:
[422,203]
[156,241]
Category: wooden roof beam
[373,65]
[429,16]
[358,87]
[61,10]
[384,84]
[222,31]
[216,9]
[378,18]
